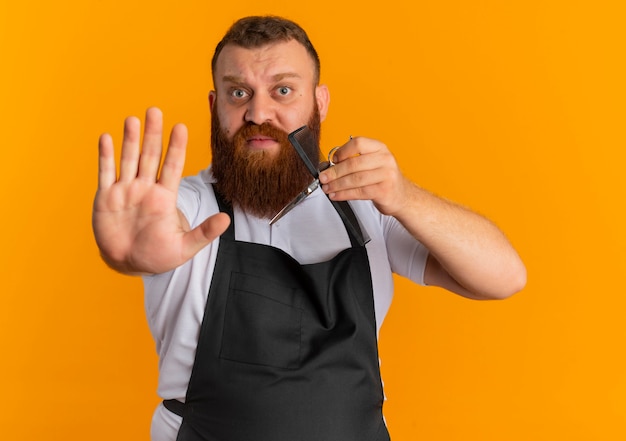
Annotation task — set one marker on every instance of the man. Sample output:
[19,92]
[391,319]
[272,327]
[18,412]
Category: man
[268,332]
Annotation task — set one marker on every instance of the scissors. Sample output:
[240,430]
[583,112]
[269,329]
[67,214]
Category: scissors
[307,191]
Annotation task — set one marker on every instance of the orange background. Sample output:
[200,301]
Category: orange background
[514,108]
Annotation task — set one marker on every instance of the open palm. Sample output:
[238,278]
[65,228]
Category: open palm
[135,220]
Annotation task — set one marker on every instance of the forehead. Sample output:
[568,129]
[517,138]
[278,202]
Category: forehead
[264,63]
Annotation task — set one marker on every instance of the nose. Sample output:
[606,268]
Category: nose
[260,109]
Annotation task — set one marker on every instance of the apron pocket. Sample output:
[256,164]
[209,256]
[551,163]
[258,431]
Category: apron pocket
[262,325]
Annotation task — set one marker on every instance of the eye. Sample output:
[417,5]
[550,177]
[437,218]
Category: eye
[284,90]
[238,93]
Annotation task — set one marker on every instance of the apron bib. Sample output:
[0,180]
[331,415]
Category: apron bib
[286,352]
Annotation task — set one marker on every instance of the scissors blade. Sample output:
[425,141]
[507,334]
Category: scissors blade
[295,201]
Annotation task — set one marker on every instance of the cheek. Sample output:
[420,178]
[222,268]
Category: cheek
[295,118]
[229,124]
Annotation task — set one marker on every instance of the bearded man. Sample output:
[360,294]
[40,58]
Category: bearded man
[268,332]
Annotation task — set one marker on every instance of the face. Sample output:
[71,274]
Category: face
[272,84]
[262,95]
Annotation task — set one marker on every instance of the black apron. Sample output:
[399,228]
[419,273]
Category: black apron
[286,352]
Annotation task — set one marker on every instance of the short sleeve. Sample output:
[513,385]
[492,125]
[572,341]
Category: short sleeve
[407,255]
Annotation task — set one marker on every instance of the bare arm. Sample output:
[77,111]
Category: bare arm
[469,255]
[136,224]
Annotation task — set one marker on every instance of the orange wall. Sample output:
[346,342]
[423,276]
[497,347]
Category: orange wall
[515,108]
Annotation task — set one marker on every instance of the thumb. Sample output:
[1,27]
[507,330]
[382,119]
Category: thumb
[205,233]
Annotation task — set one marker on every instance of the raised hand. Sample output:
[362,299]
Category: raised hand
[135,220]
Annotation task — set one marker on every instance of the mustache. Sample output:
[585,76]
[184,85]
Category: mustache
[250,130]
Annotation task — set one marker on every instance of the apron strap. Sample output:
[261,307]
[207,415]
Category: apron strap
[174,406]
[351,223]
[227,208]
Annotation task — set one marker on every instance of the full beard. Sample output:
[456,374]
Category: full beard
[258,182]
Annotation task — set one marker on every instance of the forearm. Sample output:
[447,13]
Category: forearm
[472,256]
[469,254]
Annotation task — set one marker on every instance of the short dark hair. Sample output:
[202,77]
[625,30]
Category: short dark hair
[256,31]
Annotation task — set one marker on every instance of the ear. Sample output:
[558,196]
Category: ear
[322,96]
[212,98]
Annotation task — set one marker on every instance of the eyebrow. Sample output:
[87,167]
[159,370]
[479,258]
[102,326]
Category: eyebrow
[278,77]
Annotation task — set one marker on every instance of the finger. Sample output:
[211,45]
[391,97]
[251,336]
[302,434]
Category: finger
[354,147]
[130,149]
[361,181]
[356,181]
[356,156]
[204,234]
[345,167]
[152,146]
[361,177]
[369,193]
[174,161]
[107,173]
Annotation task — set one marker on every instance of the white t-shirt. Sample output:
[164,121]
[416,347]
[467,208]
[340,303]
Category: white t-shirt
[312,232]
